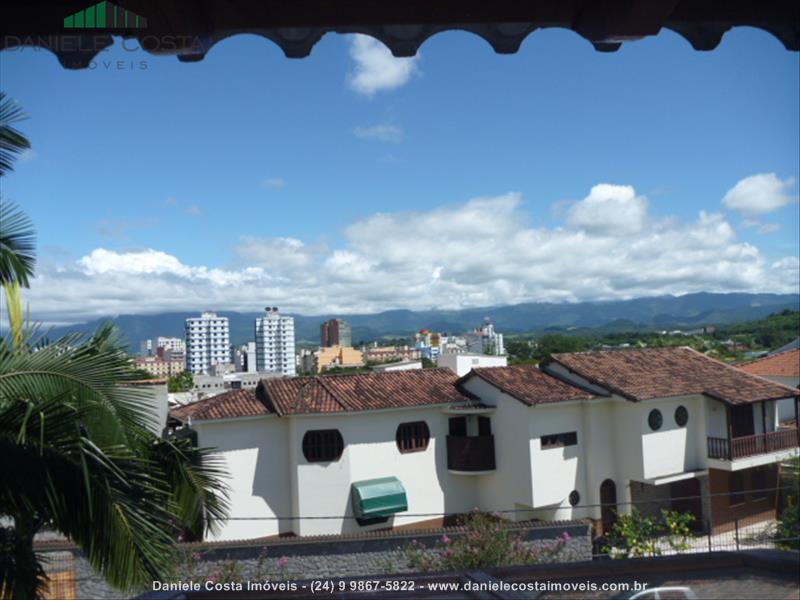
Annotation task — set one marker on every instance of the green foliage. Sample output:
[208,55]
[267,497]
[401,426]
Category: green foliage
[487,543]
[635,535]
[788,530]
[12,142]
[17,246]
[182,382]
[427,363]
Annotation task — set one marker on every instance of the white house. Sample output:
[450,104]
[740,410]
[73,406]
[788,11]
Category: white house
[389,449]
[782,367]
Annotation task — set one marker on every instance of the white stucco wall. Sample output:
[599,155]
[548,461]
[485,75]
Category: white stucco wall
[461,364]
[323,489]
[510,484]
[255,454]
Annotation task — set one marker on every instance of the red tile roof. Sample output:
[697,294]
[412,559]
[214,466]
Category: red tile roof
[783,364]
[647,373]
[528,384]
[359,391]
[236,403]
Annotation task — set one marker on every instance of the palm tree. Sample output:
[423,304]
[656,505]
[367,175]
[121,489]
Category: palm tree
[79,452]
[12,142]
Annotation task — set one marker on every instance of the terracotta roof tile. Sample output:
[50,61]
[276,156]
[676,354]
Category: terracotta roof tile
[528,384]
[783,364]
[359,391]
[236,403]
[647,373]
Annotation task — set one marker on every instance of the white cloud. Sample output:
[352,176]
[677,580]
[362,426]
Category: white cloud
[194,210]
[759,194]
[376,69]
[383,132]
[478,253]
[609,209]
[275,183]
[760,227]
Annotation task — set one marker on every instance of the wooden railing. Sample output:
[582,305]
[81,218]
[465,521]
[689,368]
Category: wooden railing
[752,445]
[470,453]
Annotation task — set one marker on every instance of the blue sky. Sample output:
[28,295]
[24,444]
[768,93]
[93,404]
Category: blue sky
[347,181]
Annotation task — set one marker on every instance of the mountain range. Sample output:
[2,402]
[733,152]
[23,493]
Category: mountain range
[663,312]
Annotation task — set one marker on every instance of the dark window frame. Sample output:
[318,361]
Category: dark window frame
[413,436]
[758,481]
[559,440]
[681,414]
[323,445]
[737,488]
[655,419]
[574,497]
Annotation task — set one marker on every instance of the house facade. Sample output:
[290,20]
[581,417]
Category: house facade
[583,437]
[781,367]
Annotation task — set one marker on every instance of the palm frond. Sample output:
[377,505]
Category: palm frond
[12,142]
[17,245]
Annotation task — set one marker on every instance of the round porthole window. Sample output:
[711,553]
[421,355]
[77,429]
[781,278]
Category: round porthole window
[655,419]
[681,416]
[574,497]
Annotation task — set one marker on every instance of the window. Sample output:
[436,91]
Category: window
[574,497]
[559,440]
[323,445]
[736,488]
[681,416]
[655,419]
[759,478]
[412,437]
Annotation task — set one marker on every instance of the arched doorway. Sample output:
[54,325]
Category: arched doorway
[608,498]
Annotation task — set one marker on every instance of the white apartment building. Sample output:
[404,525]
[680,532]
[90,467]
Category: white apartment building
[663,427]
[244,358]
[174,344]
[275,343]
[207,342]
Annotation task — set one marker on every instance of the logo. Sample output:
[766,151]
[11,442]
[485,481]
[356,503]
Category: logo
[104,15]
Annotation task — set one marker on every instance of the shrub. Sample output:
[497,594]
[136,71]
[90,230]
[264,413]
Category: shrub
[635,535]
[487,543]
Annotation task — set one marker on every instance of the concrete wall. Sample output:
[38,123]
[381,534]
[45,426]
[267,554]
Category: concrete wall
[461,364]
[255,454]
[371,452]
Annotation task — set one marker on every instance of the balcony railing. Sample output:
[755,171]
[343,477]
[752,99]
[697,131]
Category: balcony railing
[470,453]
[752,445]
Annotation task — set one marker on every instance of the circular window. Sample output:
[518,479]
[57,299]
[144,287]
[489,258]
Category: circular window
[412,437]
[574,497]
[655,419]
[681,416]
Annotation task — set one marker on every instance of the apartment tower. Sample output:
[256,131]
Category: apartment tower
[275,343]
[207,342]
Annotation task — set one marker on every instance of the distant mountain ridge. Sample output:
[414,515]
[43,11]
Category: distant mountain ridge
[641,313]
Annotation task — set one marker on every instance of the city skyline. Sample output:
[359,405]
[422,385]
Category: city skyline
[658,170]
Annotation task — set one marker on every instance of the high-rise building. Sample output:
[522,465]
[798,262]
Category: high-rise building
[275,343]
[207,342]
[244,358]
[336,332]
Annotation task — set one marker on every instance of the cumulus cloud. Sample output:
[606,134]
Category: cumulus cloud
[759,194]
[382,132]
[478,253]
[609,209]
[376,69]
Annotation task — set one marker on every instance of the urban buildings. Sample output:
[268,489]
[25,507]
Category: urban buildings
[485,340]
[336,332]
[377,353]
[207,342]
[332,356]
[585,436]
[463,363]
[159,367]
[275,343]
[244,358]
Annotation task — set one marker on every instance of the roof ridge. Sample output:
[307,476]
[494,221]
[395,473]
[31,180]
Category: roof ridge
[321,380]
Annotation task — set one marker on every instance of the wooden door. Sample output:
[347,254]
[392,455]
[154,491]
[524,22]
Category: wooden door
[608,498]
[742,420]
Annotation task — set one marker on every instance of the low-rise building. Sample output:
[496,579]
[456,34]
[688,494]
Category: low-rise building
[585,436]
[333,356]
[159,367]
[390,353]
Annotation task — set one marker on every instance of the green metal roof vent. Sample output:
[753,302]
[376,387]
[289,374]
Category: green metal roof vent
[378,497]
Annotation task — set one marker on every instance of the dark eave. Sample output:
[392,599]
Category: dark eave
[189,29]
